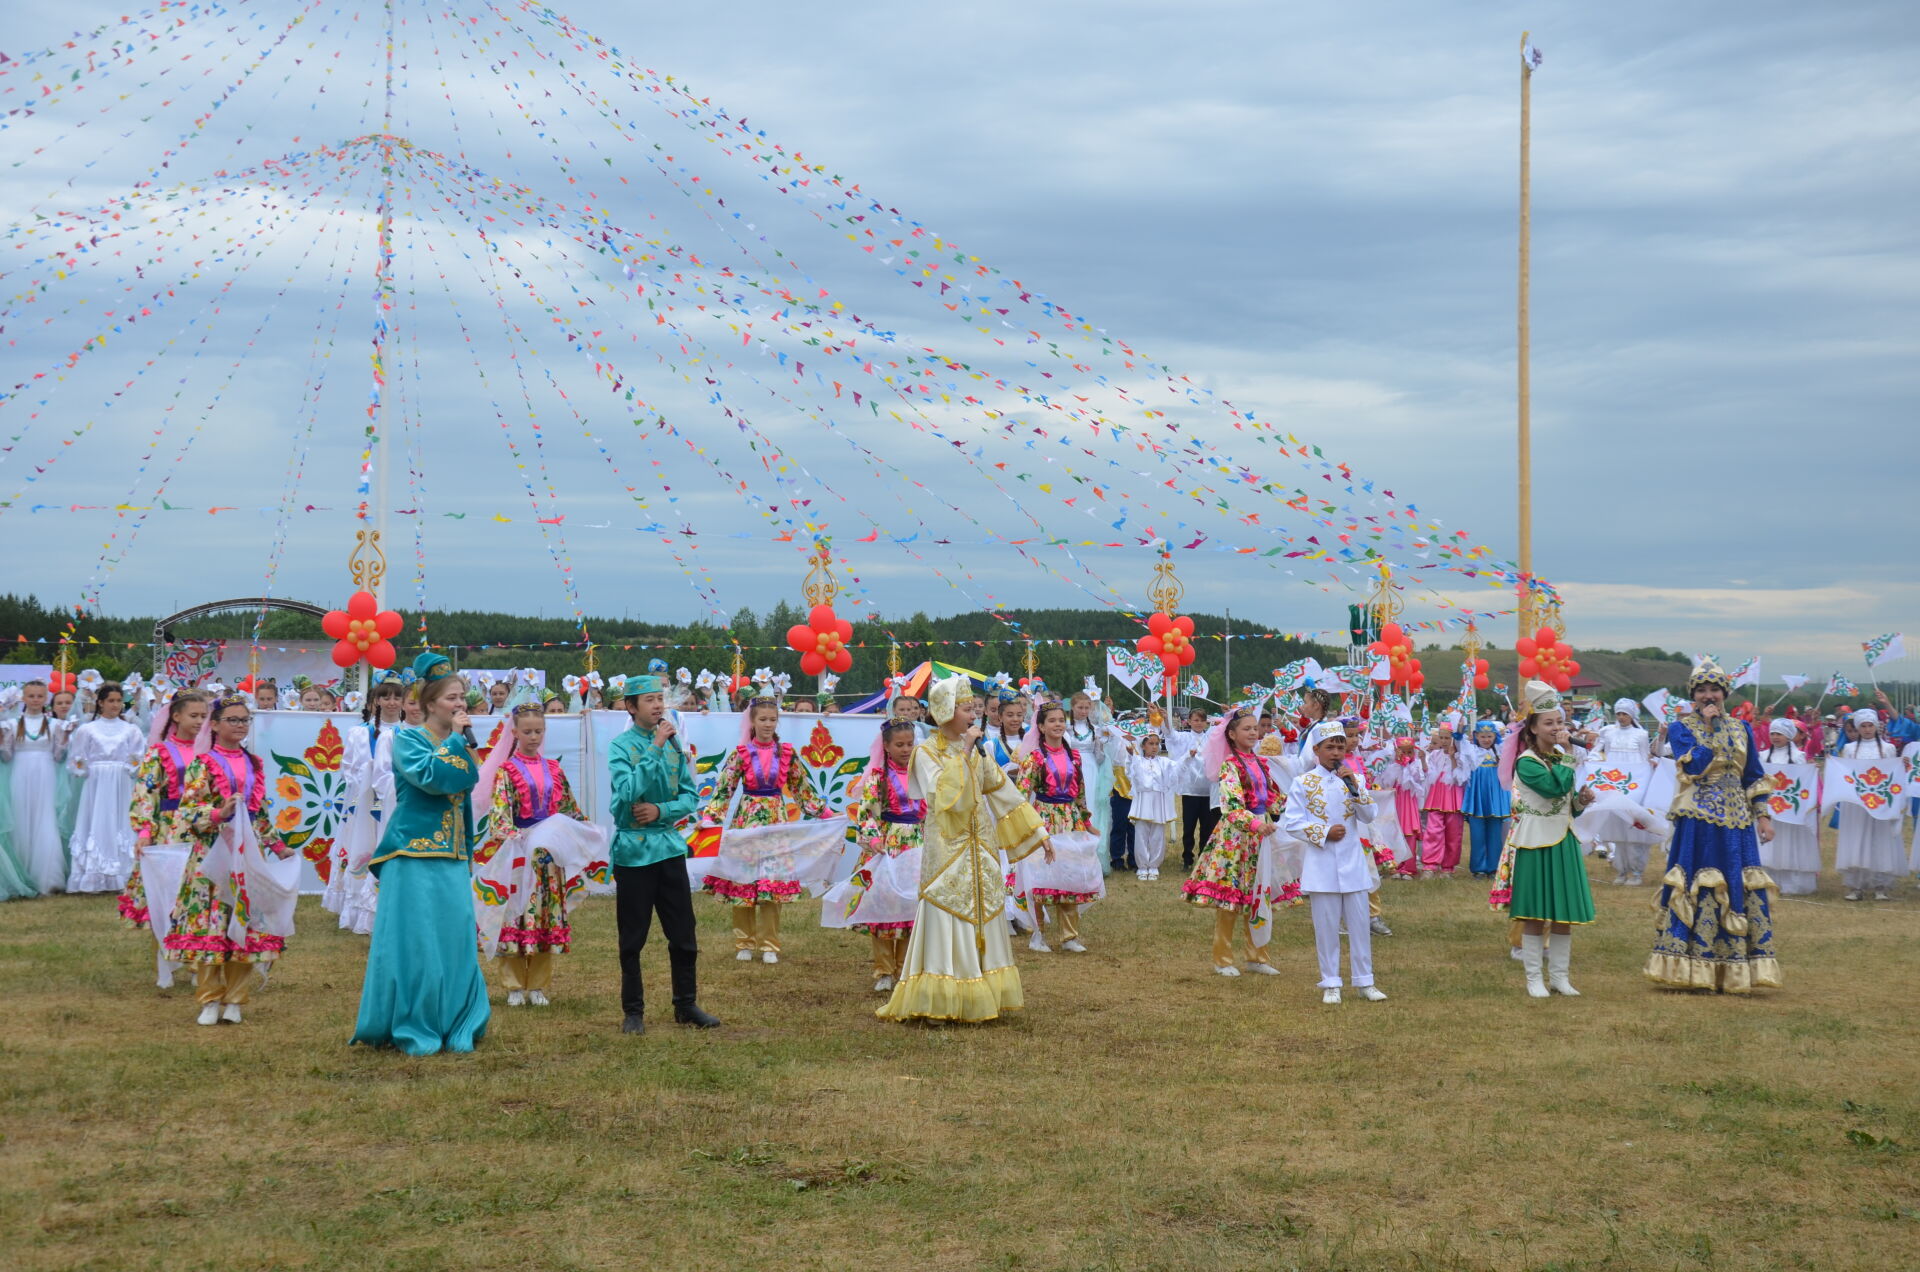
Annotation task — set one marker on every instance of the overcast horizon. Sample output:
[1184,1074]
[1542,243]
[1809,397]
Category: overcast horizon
[1307,209]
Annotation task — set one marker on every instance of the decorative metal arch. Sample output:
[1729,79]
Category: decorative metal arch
[163,629]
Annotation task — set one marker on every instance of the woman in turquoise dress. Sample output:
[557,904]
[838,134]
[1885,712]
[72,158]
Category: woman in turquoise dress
[424,991]
[1542,880]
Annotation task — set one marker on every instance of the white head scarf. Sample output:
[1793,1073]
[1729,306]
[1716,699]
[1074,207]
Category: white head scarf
[1780,726]
[1627,706]
[944,697]
[1866,715]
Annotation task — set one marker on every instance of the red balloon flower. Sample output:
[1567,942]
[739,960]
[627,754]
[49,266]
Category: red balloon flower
[1170,640]
[1396,646]
[61,682]
[821,642]
[1544,656]
[362,630]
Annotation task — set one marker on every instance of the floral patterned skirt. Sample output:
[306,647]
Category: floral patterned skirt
[199,930]
[544,927]
[1225,875]
[1064,819]
[756,811]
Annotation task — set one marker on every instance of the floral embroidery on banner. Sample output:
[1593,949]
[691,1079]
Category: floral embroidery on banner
[312,795]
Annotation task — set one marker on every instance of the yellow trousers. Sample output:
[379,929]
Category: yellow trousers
[228,982]
[1066,914]
[757,927]
[1224,921]
[527,971]
[889,948]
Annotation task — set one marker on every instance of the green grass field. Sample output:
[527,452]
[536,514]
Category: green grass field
[1141,1114]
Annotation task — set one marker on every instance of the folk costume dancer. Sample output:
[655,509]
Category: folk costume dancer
[1716,922]
[1406,775]
[161,836]
[523,791]
[653,791]
[1541,881]
[1793,857]
[1484,802]
[959,960]
[887,824]
[1326,808]
[103,753]
[1226,878]
[352,894]
[771,785]
[31,744]
[1053,778]
[1155,779]
[1868,858]
[423,991]
[233,912]
[1088,725]
[1440,805]
[1625,742]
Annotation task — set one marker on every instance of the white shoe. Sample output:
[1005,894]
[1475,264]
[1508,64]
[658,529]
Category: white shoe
[538,999]
[1373,993]
[1330,997]
[516,998]
[210,1014]
[1264,969]
[1378,926]
[1227,971]
[1532,954]
[1141,875]
[1515,954]
[1074,947]
[1853,896]
[769,957]
[744,956]
[884,985]
[231,1013]
[1881,896]
[1039,943]
[1559,954]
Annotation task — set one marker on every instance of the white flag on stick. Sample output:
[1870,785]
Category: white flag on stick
[1882,649]
[1748,673]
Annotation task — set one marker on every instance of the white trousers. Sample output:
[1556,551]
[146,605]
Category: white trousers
[1330,910]
[1630,859]
[1149,844]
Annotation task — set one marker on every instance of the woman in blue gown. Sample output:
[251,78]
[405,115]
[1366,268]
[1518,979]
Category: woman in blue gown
[1716,920]
[424,991]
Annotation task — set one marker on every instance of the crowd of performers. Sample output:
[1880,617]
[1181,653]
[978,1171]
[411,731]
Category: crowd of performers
[979,816]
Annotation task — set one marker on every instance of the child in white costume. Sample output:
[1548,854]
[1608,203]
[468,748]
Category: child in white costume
[1326,808]
[1869,857]
[31,742]
[1157,779]
[1792,857]
[103,753]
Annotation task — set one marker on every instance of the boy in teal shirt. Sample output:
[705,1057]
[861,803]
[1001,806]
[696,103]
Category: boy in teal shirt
[653,790]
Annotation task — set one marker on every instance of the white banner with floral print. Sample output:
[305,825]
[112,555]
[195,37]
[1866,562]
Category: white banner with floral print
[1878,784]
[309,792]
[1793,795]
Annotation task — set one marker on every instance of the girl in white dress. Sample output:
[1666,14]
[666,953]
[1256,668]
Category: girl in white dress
[102,754]
[1156,780]
[1792,857]
[1087,723]
[368,761]
[1869,857]
[31,743]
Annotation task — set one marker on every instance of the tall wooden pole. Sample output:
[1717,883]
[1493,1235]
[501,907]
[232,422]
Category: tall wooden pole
[1526,606]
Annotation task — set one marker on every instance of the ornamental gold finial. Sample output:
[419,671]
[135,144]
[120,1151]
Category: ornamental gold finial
[820,587]
[367,563]
[1165,591]
[1385,601]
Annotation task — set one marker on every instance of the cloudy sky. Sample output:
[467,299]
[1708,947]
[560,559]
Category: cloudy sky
[1307,209]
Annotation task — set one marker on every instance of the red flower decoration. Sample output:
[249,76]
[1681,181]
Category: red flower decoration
[362,630]
[1396,646]
[1545,656]
[821,642]
[61,682]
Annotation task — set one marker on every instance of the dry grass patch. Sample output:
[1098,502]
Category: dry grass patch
[1142,1114]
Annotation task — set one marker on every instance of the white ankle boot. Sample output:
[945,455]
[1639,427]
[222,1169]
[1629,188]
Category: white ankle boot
[1530,958]
[1559,954]
[210,1014]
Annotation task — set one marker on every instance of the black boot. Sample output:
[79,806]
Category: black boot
[635,1023]
[686,1007]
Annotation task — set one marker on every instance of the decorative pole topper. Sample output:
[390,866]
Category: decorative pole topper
[362,631]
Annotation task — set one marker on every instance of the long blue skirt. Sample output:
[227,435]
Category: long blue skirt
[423,990]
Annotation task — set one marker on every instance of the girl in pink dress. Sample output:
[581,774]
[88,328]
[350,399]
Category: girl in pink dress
[1440,840]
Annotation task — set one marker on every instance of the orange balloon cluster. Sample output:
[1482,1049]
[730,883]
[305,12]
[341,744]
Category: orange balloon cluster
[362,630]
[821,642]
[1168,639]
[1544,656]
[1403,668]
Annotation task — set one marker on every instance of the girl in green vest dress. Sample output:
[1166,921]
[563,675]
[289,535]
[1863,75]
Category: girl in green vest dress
[1542,880]
[423,990]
